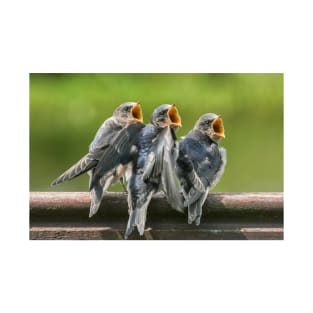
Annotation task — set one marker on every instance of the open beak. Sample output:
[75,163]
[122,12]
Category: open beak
[137,113]
[218,127]
[174,118]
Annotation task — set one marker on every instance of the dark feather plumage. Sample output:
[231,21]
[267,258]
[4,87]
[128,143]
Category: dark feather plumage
[200,165]
[154,168]
[104,139]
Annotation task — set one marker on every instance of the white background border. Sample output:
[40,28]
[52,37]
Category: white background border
[160,36]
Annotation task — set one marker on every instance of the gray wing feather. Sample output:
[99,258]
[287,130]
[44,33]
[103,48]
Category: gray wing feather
[105,134]
[81,167]
[113,155]
[138,215]
[195,209]
[220,172]
[97,193]
[188,172]
[195,198]
[154,164]
[161,162]
[169,180]
[194,194]
[102,140]
[196,181]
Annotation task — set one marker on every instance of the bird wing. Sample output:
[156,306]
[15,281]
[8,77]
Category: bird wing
[186,169]
[210,169]
[102,140]
[138,207]
[209,165]
[169,178]
[118,152]
[105,134]
[96,195]
[161,164]
[154,163]
[86,163]
[218,174]
[204,171]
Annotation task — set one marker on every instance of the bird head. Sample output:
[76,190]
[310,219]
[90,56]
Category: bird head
[129,112]
[211,125]
[166,115]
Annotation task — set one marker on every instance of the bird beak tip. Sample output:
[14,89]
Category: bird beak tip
[218,127]
[174,118]
[137,113]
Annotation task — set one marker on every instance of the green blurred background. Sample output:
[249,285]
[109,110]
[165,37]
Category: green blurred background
[67,109]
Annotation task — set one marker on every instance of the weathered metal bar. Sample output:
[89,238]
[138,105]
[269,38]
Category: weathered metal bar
[115,203]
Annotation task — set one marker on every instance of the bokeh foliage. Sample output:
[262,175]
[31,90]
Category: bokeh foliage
[67,109]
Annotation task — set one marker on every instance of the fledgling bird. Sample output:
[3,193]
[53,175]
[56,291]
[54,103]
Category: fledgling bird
[201,163]
[154,168]
[124,115]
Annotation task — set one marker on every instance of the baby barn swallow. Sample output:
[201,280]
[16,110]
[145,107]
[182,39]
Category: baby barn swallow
[154,167]
[125,114]
[201,163]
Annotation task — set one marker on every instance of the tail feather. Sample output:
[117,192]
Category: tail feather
[137,217]
[97,192]
[195,209]
[192,196]
[194,213]
[95,203]
[81,167]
